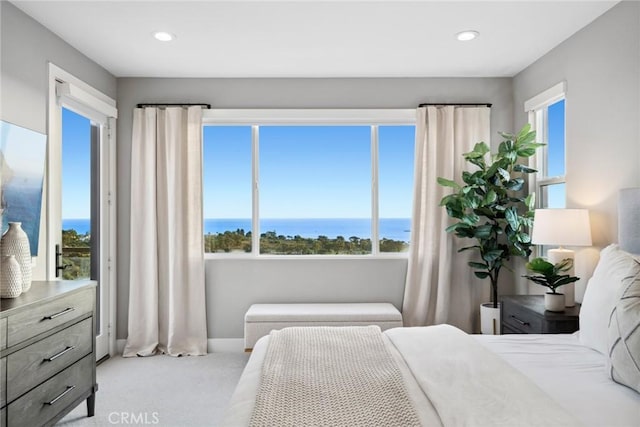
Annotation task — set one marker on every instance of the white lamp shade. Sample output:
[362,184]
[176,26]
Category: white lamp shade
[561,227]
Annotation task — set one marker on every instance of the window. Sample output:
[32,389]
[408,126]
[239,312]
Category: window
[227,182]
[547,118]
[308,185]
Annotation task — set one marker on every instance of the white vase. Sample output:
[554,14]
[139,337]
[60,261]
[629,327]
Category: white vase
[15,242]
[11,277]
[490,319]
[554,302]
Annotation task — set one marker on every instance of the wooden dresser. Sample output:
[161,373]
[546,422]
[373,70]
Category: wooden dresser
[47,349]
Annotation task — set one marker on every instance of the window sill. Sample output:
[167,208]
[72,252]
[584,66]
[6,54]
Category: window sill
[247,256]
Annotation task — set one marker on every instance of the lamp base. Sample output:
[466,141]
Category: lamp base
[555,256]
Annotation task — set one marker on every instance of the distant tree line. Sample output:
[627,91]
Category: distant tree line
[273,243]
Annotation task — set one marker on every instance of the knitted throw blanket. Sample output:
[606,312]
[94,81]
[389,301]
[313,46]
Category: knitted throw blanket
[331,376]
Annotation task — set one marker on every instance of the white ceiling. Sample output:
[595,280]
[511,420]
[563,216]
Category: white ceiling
[306,38]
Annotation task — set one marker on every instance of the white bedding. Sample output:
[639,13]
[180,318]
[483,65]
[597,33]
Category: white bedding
[570,373]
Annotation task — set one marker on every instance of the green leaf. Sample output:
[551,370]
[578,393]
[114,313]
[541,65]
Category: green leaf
[453,227]
[492,255]
[564,265]
[565,280]
[483,232]
[526,152]
[481,148]
[471,219]
[528,138]
[511,215]
[477,265]
[530,201]
[504,174]
[525,130]
[448,183]
[507,136]
[540,265]
[490,198]
[515,184]
[481,274]
[523,169]
[524,238]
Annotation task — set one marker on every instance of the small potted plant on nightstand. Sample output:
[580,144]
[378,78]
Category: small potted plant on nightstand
[550,275]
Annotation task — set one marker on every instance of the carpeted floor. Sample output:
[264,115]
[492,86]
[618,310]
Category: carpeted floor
[162,391]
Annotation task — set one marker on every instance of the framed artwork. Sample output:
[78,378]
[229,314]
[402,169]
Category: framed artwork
[22,160]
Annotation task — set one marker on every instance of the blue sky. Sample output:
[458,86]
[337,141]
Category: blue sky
[76,165]
[556,139]
[307,171]
[556,195]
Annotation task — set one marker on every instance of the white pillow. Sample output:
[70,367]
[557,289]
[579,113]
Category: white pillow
[624,335]
[600,297]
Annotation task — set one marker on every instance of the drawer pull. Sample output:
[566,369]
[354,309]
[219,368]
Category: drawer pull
[61,395]
[62,313]
[55,356]
[519,321]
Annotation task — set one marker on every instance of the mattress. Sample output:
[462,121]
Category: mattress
[573,375]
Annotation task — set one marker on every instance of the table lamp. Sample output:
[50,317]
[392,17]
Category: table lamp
[562,227]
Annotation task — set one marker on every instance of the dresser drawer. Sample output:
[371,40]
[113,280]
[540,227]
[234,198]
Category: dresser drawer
[45,317]
[42,404]
[32,365]
[3,383]
[522,321]
[3,333]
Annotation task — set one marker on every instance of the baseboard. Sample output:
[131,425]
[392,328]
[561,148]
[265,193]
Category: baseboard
[225,345]
[120,346]
[214,345]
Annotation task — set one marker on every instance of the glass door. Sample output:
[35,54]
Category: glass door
[78,256]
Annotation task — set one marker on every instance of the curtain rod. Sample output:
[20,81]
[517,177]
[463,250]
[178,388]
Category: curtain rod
[207,106]
[482,104]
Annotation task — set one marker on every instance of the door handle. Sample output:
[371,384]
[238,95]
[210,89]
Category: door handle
[59,266]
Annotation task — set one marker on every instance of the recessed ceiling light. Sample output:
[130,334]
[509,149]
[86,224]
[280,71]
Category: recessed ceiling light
[465,36]
[164,36]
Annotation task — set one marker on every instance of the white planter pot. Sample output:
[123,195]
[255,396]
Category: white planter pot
[554,302]
[490,319]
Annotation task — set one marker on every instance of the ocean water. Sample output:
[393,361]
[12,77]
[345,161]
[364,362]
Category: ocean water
[82,226]
[22,199]
[390,228]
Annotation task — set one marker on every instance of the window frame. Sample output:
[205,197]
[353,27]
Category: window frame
[537,110]
[68,91]
[310,117]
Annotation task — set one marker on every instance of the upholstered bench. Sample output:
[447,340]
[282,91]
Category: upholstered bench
[261,319]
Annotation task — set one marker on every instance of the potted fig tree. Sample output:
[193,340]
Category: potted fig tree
[550,275]
[492,210]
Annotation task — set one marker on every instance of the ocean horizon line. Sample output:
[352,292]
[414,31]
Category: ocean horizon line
[389,228]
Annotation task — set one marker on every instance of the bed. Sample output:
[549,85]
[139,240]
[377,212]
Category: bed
[451,378]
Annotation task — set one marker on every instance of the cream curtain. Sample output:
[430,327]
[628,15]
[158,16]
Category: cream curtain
[440,286]
[166,279]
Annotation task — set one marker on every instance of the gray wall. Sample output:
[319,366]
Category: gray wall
[233,285]
[601,65]
[26,47]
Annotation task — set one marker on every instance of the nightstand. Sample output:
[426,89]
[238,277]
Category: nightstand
[525,314]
